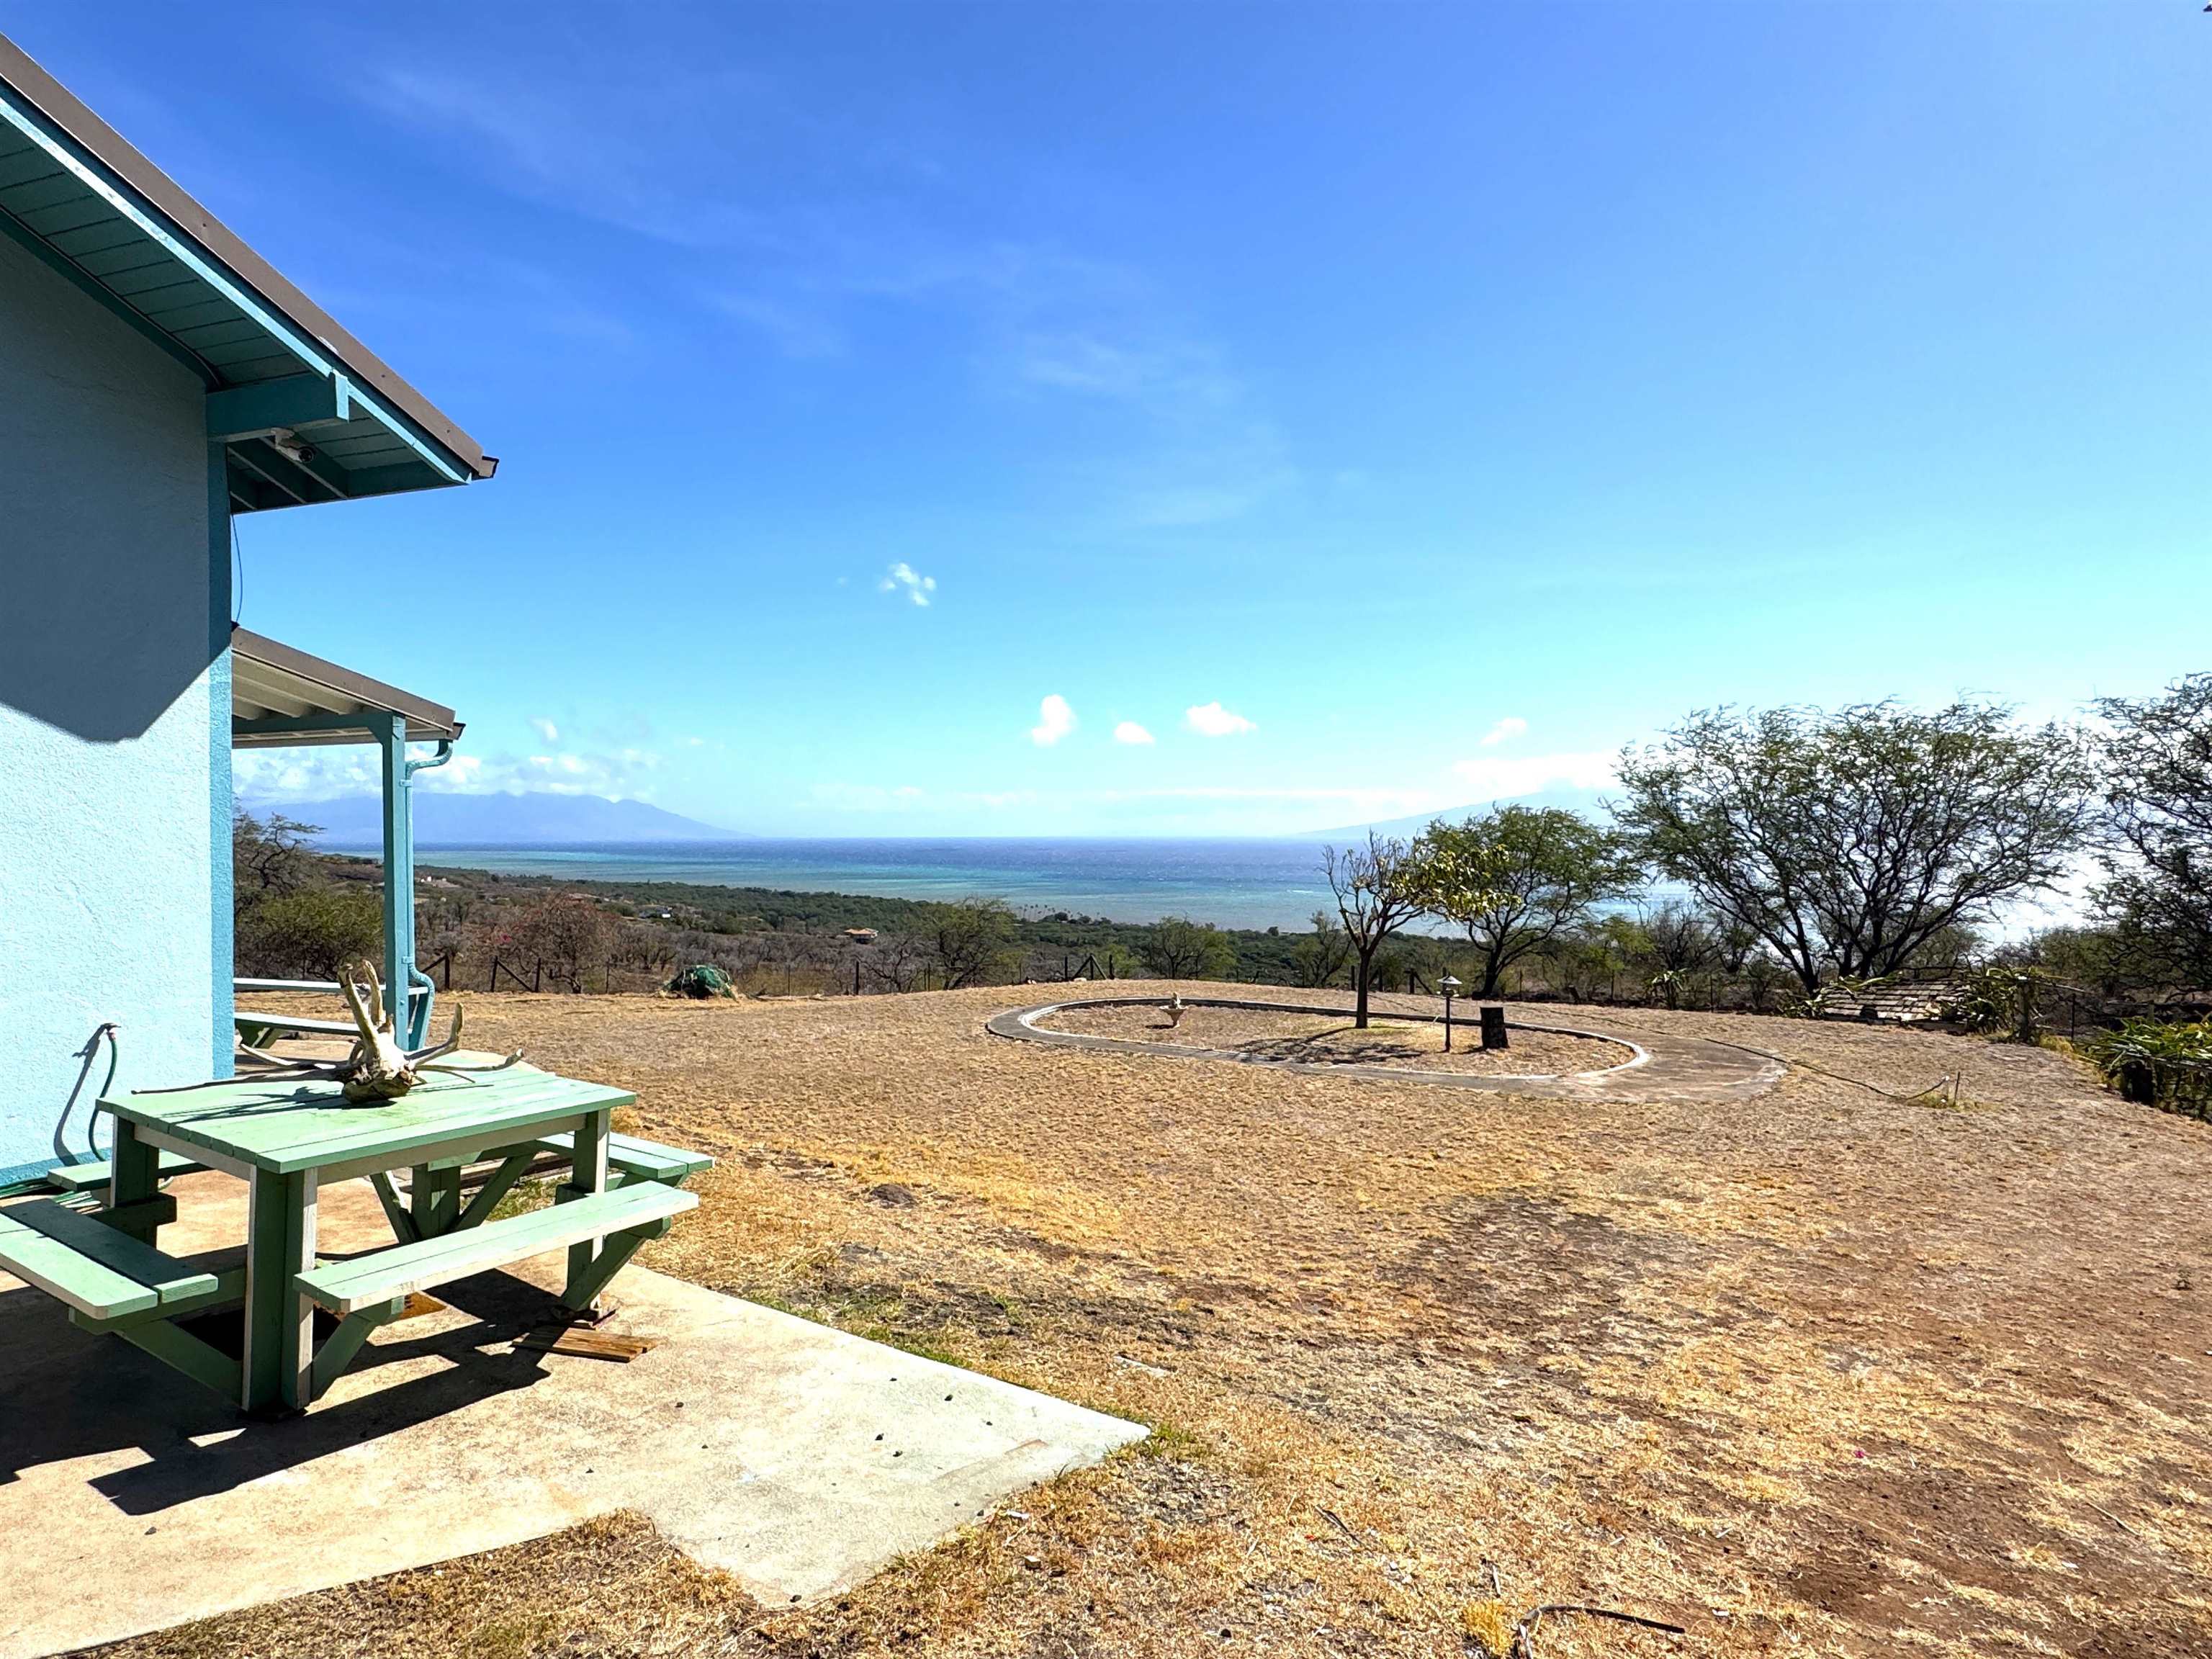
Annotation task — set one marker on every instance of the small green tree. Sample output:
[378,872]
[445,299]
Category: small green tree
[1847,841]
[1516,877]
[1176,947]
[1378,890]
[971,940]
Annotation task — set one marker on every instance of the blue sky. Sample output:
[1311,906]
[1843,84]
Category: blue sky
[1381,407]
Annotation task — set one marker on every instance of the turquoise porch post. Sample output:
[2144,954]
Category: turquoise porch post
[390,733]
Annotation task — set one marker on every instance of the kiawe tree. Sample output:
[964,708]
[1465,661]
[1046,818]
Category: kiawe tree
[1847,841]
[1513,879]
[272,858]
[1378,889]
[2157,891]
[1320,956]
[1176,947]
[972,941]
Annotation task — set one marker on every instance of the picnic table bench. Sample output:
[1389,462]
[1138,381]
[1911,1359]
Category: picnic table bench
[94,1178]
[287,1139]
[253,1023]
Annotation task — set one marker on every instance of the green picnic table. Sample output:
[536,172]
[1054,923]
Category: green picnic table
[287,1139]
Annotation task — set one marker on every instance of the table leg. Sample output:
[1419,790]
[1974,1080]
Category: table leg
[280,1322]
[134,1180]
[434,1198]
[588,1174]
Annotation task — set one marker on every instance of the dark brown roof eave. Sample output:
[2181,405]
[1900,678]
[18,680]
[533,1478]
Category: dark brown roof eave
[346,688]
[62,107]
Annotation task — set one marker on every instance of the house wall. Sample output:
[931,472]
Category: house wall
[114,717]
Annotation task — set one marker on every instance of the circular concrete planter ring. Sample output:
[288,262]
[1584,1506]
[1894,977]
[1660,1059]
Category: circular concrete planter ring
[1659,1066]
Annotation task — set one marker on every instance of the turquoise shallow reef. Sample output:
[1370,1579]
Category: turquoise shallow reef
[1233,883]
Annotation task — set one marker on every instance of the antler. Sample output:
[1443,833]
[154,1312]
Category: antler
[515,1059]
[367,1014]
[452,1041]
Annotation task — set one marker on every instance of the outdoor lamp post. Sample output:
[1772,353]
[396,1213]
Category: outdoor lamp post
[1448,985]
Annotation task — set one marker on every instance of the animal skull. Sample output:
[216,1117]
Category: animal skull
[380,1067]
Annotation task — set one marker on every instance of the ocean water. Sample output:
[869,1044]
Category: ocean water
[1233,883]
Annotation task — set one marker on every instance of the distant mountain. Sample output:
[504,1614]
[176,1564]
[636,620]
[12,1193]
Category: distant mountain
[506,820]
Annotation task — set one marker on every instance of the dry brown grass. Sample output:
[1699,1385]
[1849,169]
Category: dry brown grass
[1823,1371]
[612,1586]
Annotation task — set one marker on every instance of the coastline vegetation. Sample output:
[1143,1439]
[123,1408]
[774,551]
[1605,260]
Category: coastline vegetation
[1806,856]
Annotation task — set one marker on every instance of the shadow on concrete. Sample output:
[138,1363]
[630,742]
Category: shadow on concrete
[67,1394]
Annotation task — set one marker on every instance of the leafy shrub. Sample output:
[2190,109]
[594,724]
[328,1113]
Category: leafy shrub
[1178,948]
[700,981]
[307,933]
[2157,1064]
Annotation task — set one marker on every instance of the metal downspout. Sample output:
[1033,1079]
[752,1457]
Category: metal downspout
[418,1008]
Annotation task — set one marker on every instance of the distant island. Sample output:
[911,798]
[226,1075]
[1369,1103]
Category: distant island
[514,819]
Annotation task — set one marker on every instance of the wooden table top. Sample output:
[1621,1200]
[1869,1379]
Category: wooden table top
[285,1125]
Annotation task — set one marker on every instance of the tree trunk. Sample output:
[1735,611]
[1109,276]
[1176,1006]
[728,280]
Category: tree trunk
[1359,1015]
[1492,971]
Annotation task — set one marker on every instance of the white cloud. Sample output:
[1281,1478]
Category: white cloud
[903,578]
[319,773]
[546,728]
[1211,719]
[264,775]
[1130,732]
[1056,719]
[1501,777]
[1511,727]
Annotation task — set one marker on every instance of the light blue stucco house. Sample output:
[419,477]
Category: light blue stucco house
[157,377]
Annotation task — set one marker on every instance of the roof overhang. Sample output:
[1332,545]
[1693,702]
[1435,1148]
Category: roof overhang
[306,412]
[282,699]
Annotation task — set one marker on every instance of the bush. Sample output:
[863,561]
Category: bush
[306,934]
[972,941]
[2153,1063]
[1176,947]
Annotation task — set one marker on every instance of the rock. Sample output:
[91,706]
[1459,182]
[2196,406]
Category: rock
[894,1196]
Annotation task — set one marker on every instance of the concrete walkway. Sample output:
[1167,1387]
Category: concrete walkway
[796,1457]
[1663,1067]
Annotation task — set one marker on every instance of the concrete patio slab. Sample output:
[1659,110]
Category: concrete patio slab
[794,1456]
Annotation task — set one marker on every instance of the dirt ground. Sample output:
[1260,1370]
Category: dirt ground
[1329,1040]
[1825,1371]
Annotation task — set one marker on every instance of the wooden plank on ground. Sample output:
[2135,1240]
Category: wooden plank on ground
[588,1344]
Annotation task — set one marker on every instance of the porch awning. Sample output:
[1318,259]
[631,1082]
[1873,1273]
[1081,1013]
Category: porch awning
[282,698]
[305,411]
